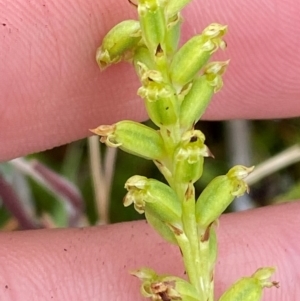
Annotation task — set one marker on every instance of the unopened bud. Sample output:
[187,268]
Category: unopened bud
[195,53]
[219,193]
[198,98]
[120,40]
[250,288]
[134,138]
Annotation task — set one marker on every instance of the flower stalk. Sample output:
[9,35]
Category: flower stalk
[176,87]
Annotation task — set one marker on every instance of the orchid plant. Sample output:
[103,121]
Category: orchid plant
[177,85]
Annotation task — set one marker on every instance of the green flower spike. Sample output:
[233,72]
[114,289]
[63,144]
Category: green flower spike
[176,87]
[219,193]
[198,98]
[134,138]
[250,288]
[195,53]
[119,43]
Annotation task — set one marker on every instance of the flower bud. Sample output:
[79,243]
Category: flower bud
[194,54]
[219,193]
[197,99]
[250,288]
[154,197]
[189,157]
[153,23]
[118,42]
[134,138]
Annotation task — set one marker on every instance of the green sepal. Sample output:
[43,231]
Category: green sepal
[153,23]
[250,288]
[157,198]
[118,43]
[219,193]
[189,157]
[195,53]
[134,138]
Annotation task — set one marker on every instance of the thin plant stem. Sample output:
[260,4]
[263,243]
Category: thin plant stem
[109,168]
[99,181]
[55,184]
[287,157]
[12,202]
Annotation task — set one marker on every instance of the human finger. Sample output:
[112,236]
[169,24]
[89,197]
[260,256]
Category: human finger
[52,91]
[93,263]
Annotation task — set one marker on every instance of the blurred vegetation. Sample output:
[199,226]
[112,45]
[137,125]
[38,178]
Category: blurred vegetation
[71,162]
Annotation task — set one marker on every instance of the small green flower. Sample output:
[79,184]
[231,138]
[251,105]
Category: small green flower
[200,93]
[164,287]
[219,193]
[189,157]
[119,43]
[159,98]
[250,288]
[195,53]
[134,138]
[154,197]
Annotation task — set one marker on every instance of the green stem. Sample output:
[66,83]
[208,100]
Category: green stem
[190,228]
[208,251]
[188,258]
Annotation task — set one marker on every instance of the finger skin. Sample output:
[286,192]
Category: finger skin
[93,263]
[52,91]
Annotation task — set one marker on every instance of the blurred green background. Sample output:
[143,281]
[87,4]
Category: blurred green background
[28,202]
